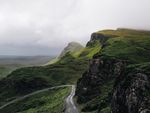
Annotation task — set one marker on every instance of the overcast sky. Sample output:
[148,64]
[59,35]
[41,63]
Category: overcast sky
[44,27]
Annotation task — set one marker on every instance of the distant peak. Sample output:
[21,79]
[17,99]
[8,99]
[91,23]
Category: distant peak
[71,47]
[74,43]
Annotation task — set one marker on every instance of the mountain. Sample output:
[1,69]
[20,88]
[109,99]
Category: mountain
[117,80]
[72,47]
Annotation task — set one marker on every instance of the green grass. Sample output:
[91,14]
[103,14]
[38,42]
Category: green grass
[26,80]
[4,71]
[101,102]
[91,50]
[51,101]
[7,69]
[124,32]
[127,44]
[142,67]
[52,61]
[106,110]
[135,49]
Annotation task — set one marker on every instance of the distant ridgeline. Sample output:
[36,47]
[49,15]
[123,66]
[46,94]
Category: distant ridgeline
[112,73]
[11,63]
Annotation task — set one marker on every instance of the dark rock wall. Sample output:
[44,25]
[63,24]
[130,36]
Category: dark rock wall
[94,37]
[131,95]
[100,71]
[131,90]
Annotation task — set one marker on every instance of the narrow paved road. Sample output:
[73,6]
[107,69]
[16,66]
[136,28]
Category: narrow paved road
[69,105]
[33,93]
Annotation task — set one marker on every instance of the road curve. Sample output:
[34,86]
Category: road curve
[69,104]
[33,93]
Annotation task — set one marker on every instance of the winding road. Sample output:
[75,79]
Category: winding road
[69,104]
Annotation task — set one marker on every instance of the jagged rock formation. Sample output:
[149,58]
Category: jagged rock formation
[97,37]
[131,93]
[91,86]
[100,72]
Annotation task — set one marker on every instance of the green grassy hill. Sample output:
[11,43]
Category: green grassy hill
[5,70]
[73,48]
[51,101]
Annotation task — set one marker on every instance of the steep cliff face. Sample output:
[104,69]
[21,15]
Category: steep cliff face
[97,83]
[128,93]
[97,37]
[117,80]
[131,93]
[100,72]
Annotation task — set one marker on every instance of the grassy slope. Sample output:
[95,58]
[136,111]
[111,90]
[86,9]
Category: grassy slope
[5,70]
[73,47]
[89,51]
[135,49]
[124,32]
[47,102]
[126,44]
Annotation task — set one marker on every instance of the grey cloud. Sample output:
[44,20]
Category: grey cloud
[33,27]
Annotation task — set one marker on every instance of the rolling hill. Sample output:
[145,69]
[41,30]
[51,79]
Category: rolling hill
[11,63]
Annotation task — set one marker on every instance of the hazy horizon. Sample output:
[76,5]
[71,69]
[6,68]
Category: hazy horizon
[44,27]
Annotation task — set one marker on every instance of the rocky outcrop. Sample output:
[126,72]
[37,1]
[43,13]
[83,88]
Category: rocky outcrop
[97,36]
[132,94]
[100,72]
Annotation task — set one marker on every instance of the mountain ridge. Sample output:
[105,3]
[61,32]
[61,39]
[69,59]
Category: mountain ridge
[71,47]
[118,75]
